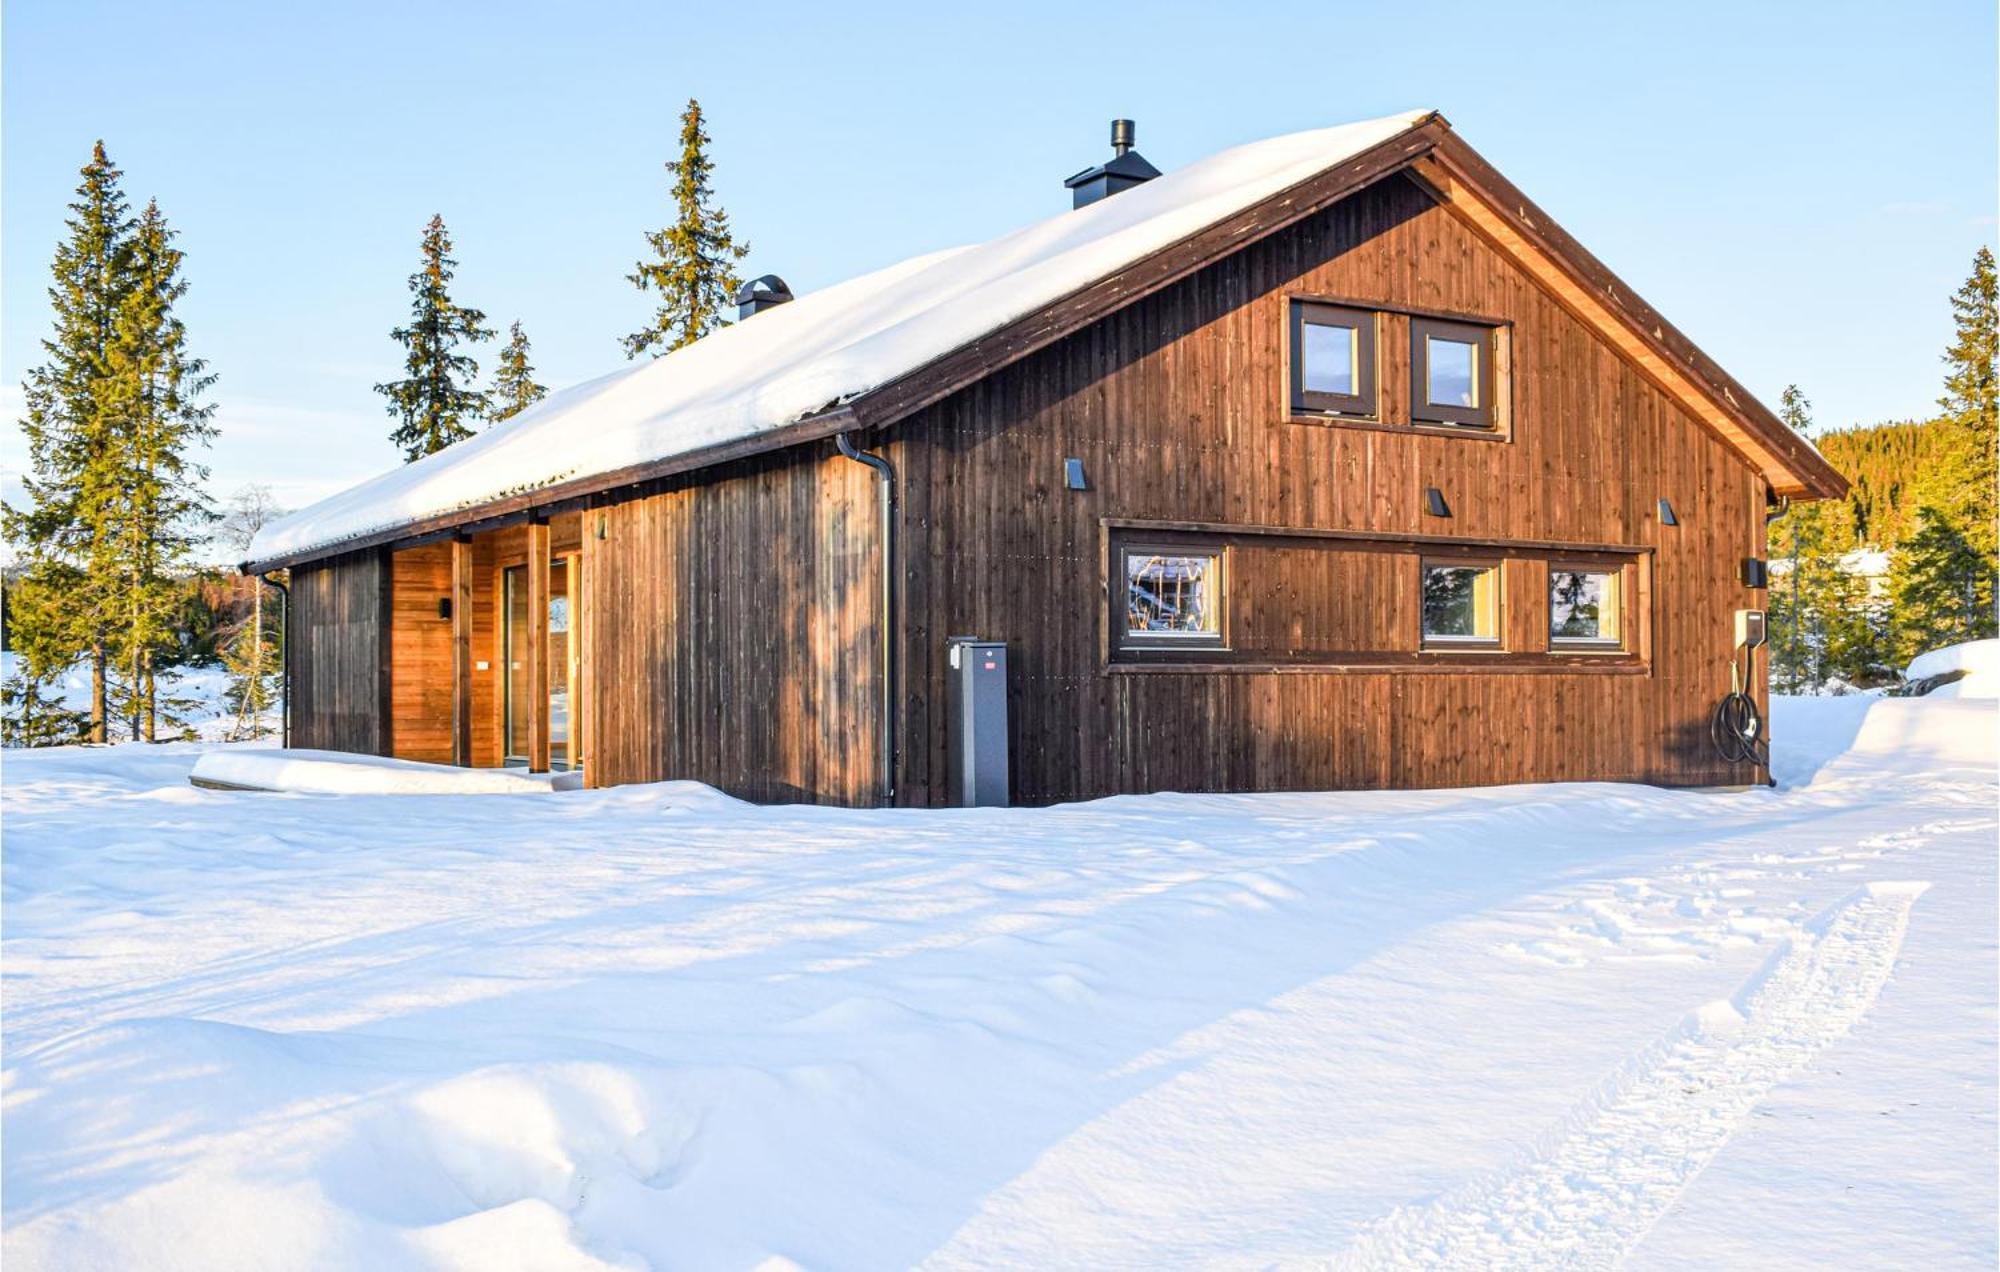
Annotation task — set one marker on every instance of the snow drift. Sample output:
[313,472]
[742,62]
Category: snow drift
[307,772]
[1979,660]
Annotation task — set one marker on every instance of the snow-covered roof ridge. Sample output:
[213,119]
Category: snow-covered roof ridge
[821,349]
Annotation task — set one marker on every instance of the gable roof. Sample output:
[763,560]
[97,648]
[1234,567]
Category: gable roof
[864,353]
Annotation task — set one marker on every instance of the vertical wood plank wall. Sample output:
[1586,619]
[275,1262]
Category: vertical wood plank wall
[732,629]
[337,639]
[420,655]
[1178,407]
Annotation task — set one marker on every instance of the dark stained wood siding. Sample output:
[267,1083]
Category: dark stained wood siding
[1178,408]
[732,632]
[335,647]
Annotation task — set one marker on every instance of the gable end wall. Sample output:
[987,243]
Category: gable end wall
[1177,406]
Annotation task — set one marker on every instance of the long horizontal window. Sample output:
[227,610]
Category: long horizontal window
[1213,598]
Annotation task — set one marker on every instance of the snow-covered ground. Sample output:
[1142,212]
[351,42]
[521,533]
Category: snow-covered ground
[652,1027]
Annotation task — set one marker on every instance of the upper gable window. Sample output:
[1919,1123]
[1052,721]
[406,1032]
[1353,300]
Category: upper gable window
[1451,373]
[1333,359]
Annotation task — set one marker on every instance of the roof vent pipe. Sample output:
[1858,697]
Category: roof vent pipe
[759,294]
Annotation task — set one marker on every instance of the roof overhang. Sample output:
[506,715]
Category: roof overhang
[1473,190]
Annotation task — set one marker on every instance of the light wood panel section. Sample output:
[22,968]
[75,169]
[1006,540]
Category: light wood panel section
[421,667]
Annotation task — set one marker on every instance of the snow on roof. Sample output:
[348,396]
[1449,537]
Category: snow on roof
[821,349]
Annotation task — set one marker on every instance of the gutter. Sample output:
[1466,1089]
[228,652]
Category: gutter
[887,472]
[284,660]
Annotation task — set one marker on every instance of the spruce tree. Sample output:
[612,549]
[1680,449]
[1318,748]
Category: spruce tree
[70,427]
[1789,666]
[1943,587]
[32,709]
[1943,575]
[693,265]
[157,512]
[251,654]
[514,388]
[1960,482]
[252,659]
[435,403]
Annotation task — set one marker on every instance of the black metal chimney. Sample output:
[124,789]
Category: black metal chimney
[759,294]
[1126,169]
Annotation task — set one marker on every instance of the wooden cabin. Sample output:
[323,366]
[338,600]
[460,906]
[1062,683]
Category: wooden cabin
[1327,462]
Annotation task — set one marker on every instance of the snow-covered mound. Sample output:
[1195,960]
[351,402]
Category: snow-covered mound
[306,772]
[1978,659]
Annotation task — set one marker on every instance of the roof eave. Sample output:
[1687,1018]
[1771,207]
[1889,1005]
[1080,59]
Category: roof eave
[569,495]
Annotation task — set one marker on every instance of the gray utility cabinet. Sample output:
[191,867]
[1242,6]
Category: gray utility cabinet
[979,761]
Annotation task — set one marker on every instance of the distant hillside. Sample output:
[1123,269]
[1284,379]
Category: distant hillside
[1882,461]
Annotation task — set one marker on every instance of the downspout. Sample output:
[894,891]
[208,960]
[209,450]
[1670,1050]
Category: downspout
[284,660]
[887,472]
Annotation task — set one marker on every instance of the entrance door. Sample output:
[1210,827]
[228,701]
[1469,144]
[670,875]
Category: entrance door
[562,667]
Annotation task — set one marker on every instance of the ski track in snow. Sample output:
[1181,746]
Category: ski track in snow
[1600,1182]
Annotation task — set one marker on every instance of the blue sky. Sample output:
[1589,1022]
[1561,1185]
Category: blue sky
[1797,186]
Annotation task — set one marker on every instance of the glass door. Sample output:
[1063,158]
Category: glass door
[560,716]
[561,666]
[514,655]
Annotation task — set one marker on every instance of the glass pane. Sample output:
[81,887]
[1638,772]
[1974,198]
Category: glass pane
[1583,605]
[1453,372]
[515,682]
[559,666]
[1458,602]
[1330,359]
[1171,595]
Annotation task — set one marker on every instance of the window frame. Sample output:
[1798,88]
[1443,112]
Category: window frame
[1495,567]
[1125,641]
[1479,335]
[1619,574]
[1365,402]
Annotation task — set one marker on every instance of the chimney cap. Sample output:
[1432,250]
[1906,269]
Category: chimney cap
[759,294]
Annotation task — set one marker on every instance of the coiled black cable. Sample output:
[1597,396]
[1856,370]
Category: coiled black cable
[1737,729]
